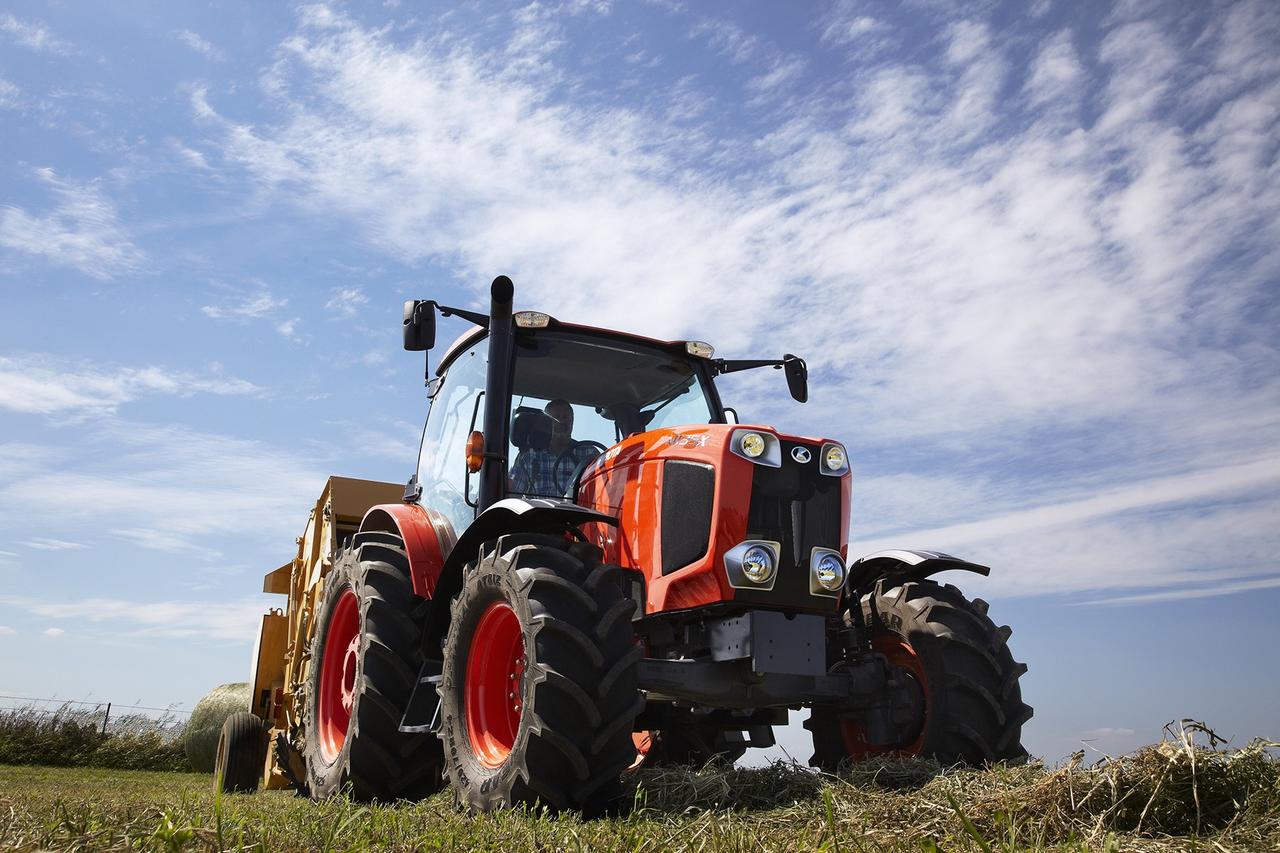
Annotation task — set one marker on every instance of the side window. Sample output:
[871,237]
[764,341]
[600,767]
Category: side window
[442,468]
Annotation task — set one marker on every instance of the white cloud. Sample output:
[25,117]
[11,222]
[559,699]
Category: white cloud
[219,621]
[968,260]
[289,328]
[257,305]
[83,230]
[146,483]
[201,46]
[10,94]
[53,632]
[1106,732]
[44,385]
[252,306]
[33,35]
[345,301]
[43,544]
[165,540]
[6,631]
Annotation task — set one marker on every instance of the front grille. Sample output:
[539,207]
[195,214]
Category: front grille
[799,507]
[688,489]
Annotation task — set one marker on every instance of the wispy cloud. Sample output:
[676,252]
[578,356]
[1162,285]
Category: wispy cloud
[252,306]
[230,622]
[83,230]
[984,252]
[10,94]
[345,301]
[45,385]
[259,304]
[53,545]
[201,45]
[1106,732]
[136,481]
[33,35]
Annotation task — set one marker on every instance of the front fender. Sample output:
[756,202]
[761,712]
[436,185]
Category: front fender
[904,565]
[510,515]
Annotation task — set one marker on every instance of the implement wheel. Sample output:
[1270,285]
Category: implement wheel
[965,679]
[366,657]
[538,692]
[242,754]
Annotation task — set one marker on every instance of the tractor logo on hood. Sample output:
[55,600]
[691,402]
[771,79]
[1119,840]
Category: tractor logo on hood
[801,455]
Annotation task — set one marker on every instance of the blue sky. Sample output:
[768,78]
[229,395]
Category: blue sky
[1028,249]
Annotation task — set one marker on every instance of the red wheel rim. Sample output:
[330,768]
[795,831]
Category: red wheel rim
[338,675]
[493,696]
[854,734]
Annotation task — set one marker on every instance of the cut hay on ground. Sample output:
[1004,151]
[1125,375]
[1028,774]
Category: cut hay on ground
[1177,788]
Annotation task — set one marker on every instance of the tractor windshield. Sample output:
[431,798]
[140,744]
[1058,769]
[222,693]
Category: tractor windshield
[574,395]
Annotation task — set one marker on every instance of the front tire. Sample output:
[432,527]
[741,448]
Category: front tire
[366,656]
[538,692]
[973,711]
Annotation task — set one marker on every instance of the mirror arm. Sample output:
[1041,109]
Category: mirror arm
[481,320]
[724,365]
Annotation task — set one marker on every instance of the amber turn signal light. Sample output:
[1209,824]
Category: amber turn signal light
[475,451]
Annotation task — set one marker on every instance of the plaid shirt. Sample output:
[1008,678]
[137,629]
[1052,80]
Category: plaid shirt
[536,472]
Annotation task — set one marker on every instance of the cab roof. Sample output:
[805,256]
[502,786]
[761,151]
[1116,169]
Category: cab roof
[475,333]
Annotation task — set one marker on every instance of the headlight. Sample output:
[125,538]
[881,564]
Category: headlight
[757,564]
[828,571]
[834,457]
[832,460]
[752,444]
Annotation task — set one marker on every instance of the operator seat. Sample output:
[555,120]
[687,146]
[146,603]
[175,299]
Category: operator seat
[531,429]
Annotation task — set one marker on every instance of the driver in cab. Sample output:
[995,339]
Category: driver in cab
[549,455]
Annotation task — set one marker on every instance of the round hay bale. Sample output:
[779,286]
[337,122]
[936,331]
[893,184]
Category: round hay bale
[201,736]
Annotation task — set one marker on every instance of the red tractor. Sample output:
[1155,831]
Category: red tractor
[595,567]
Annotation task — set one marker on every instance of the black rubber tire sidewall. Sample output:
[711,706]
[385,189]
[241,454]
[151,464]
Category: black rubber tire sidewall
[974,709]
[241,755]
[579,688]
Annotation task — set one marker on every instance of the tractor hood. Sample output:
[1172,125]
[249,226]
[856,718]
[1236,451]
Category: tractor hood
[687,497]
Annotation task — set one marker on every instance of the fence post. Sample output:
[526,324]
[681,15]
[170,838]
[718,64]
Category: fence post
[106,717]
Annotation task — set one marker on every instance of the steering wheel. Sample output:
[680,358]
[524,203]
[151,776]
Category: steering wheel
[568,452]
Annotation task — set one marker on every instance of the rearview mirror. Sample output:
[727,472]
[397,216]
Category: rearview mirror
[797,377]
[419,325]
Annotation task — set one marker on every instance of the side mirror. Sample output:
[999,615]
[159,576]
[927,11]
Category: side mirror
[419,325]
[797,377]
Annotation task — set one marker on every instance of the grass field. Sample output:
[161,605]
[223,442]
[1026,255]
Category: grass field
[1153,800]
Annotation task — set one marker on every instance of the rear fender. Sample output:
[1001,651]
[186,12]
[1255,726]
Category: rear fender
[426,544]
[903,565]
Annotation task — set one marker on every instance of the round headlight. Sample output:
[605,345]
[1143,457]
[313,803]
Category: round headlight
[829,572]
[752,444]
[757,564]
[834,459]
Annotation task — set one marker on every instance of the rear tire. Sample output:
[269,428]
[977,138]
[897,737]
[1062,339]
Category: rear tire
[538,692]
[366,656]
[242,754]
[973,708]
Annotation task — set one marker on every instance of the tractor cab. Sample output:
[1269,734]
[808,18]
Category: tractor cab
[707,512]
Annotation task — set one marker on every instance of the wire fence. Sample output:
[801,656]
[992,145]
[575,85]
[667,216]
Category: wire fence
[110,717]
